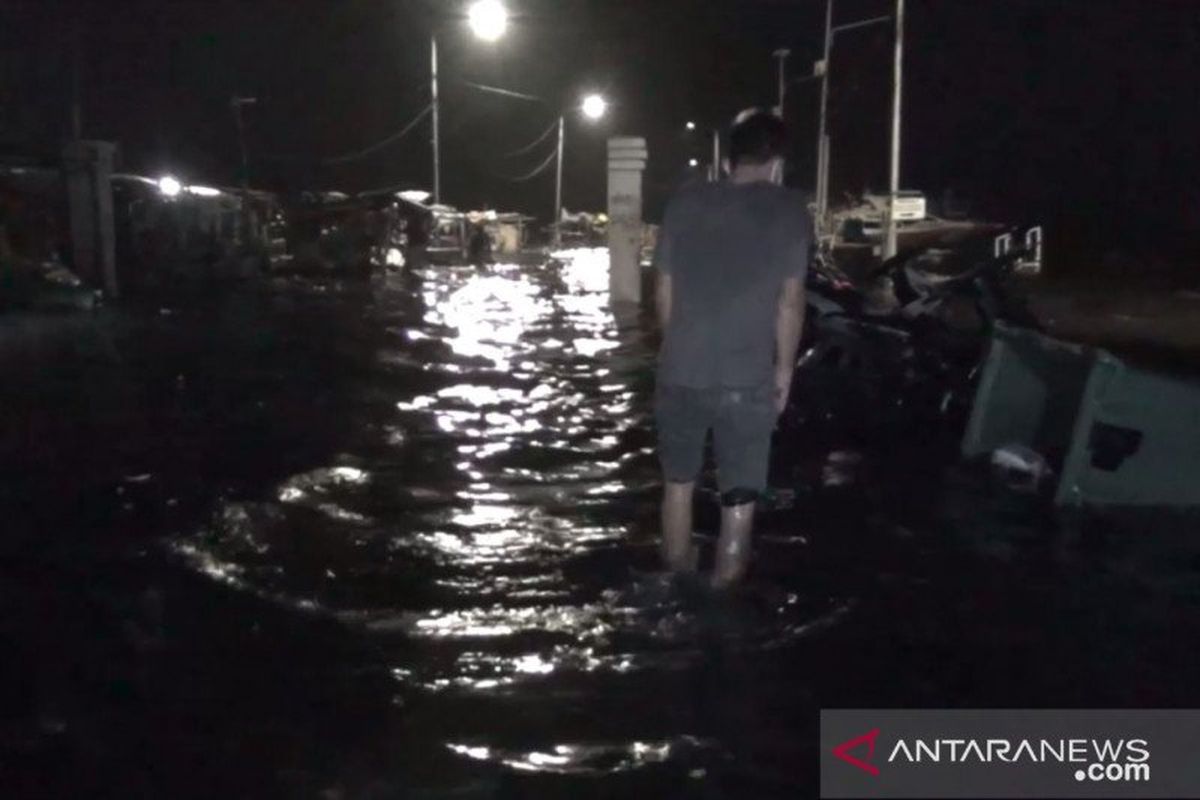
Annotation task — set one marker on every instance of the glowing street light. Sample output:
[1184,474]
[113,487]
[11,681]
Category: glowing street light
[691,126]
[594,107]
[693,162]
[170,187]
[488,19]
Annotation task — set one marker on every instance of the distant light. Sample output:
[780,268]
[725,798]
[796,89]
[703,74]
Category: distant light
[169,186]
[419,196]
[594,106]
[203,191]
[691,126]
[695,162]
[746,114]
[488,19]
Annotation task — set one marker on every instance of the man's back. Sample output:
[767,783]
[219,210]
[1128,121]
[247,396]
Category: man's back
[728,248]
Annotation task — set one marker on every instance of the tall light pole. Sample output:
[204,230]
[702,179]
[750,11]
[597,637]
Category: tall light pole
[558,203]
[488,20]
[782,54]
[237,104]
[77,79]
[435,108]
[594,108]
[716,155]
[889,242]
[822,128]
[831,31]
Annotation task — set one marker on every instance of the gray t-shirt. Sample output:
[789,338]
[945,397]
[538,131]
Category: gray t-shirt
[728,249]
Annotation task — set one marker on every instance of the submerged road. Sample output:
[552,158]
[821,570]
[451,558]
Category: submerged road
[397,540]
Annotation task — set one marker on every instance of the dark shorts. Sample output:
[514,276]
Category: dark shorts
[741,421]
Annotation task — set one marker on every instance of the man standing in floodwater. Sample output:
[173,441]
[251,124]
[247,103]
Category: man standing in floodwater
[731,262]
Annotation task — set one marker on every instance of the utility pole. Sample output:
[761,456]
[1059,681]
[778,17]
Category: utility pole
[890,243]
[558,184]
[488,19]
[236,103]
[77,80]
[437,155]
[716,162]
[782,54]
[823,128]
[822,71]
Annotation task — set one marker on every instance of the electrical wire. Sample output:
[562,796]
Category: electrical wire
[536,172]
[366,151]
[535,142]
[503,92]
[347,157]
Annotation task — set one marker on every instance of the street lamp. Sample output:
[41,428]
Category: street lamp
[822,71]
[169,186]
[714,171]
[488,20]
[593,107]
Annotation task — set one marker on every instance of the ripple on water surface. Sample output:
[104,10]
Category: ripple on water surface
[486,533]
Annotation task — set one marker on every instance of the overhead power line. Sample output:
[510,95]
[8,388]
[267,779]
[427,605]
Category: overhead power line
[357,154]
[535,142]
[504,92]
[366,151]
[545,165]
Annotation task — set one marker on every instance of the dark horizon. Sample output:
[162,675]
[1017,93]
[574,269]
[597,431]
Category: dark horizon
[1075,116]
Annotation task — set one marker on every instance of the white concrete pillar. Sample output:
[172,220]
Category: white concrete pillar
[626,163]
[88,166]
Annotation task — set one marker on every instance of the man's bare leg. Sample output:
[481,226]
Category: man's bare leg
[733,545]
[679,553]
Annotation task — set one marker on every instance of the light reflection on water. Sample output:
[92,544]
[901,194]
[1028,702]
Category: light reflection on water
[495,503]
[583,759]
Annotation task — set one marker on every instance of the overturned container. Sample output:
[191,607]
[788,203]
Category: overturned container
[1115,434]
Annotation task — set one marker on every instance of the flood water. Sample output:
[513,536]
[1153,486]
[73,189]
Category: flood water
[396,539]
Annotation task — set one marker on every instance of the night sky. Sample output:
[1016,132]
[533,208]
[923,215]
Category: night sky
[1079,113]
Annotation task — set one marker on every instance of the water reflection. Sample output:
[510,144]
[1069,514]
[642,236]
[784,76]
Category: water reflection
[586,759]
[485,532]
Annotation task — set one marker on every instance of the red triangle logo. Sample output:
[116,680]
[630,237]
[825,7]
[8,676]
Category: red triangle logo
[842,751]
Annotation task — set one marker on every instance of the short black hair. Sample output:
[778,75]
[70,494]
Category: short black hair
[756,137]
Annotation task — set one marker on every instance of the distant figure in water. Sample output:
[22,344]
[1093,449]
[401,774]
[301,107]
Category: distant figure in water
[731,261]
[479,245]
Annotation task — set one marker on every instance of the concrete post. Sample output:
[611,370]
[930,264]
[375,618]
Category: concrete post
[626,163]
[88,166]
